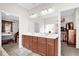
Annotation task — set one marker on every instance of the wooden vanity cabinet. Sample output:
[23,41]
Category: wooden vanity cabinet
[56,47]
[34,44]
[30,38]
[52,47]
[25,41]
[71,37]
[42,46]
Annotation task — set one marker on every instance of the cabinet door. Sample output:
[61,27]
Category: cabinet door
[56,47]
[30,42]
[50,47]
[42,46]
[71,37]
[25,41]
[35,42]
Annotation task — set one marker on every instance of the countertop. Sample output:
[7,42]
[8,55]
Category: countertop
[54,36]
[6,34]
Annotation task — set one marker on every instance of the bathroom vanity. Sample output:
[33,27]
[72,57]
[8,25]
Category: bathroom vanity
[42,35]
[41,44]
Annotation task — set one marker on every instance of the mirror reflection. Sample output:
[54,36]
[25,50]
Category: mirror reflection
[44,25]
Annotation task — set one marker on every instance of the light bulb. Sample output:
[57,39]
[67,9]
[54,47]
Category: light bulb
[50,10]
[33,16]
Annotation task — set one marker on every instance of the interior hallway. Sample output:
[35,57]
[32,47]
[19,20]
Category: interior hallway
[68,51]
[13,50]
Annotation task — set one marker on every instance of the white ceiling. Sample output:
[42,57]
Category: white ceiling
[60,6]
[38,7]
[28,5]
[9,17]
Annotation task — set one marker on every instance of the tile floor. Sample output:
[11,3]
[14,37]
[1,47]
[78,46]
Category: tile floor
[13,50]
[68,51]
[3,52]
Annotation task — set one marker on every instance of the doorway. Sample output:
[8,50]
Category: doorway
[10,33]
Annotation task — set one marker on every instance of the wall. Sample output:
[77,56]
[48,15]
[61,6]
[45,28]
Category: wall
[69,16]
[0,28]
[41,22]
[21,13]
[13,19]
[51,24]
[15,27]
[77,27]
[75,19]
[32,25]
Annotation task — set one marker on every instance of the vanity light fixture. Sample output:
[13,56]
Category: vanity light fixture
[44,12]
[33,16]
[7,13]
[47,11]
[50,10]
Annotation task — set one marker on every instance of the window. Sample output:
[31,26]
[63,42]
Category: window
[6,26]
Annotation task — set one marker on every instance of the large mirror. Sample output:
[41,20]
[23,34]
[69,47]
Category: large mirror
[36,25]
[44,25]
[51,25]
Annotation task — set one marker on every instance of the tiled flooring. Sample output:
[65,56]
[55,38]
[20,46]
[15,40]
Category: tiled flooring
[68,51]
[13,50]
[3,52]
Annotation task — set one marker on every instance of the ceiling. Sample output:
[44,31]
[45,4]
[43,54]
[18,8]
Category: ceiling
[36,8]
[61,6]
[28,5]
[9,17]
[33,8]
